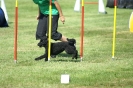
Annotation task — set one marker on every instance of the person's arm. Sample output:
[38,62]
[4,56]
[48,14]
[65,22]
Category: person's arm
[38,13]
[62,18]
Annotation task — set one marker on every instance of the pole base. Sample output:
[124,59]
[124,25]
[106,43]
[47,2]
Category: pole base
[113,58]
[15,61]
[81,59]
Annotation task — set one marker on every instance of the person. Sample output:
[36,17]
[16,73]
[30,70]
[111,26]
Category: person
[43,17]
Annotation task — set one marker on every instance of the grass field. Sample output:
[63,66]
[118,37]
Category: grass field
[97,70]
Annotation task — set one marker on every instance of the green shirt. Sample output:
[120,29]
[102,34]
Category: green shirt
[44,7]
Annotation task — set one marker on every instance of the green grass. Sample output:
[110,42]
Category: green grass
[97,70]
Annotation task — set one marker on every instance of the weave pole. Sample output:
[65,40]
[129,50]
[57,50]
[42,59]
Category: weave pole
[50,25]
[82,31]
[114,30]
[16,32]
[131,22]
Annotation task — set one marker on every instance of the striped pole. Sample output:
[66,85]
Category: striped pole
[16,32]
[50,25]
[114,31]
[82,31]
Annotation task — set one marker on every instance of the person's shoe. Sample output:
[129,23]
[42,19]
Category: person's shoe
[42,43]
[39,44]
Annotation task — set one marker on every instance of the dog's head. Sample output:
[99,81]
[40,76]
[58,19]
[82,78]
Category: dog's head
[71,41]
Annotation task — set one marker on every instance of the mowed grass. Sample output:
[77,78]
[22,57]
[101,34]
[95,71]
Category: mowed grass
[97,70]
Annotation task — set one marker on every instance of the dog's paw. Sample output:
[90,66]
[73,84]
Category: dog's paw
[39,44]
[53,56]
[75,56]
[42,43]
[46,59]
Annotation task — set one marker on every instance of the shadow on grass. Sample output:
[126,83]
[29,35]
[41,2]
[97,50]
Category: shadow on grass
[64,60]
[64,55]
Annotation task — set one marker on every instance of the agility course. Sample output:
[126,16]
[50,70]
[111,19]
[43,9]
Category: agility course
[97,61]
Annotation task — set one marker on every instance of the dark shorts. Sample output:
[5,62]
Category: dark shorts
[43,27]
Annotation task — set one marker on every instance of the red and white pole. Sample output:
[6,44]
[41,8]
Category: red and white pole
[82,32]
[16,32]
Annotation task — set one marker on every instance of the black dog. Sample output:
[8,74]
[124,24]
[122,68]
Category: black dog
[57,48]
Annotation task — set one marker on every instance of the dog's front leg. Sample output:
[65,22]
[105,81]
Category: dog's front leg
[46,54]
[40,57]
[46,57]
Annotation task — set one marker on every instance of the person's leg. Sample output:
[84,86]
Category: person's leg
[42,30]
[55,34]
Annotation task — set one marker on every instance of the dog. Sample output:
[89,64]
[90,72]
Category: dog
[59,47]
